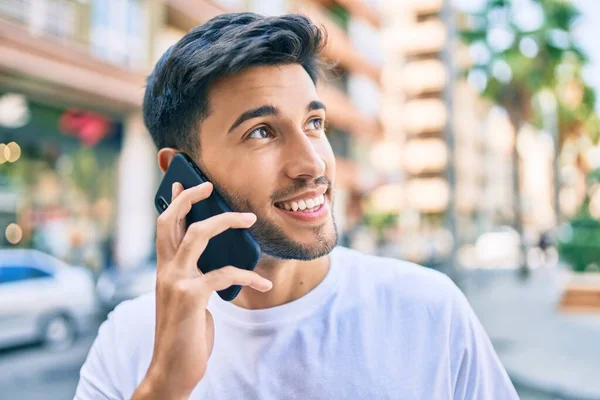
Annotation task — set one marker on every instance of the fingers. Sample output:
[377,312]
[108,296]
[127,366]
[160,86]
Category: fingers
[176,190]
[199,289]
[225,277]
[184,200]
[199,233]
[171,223]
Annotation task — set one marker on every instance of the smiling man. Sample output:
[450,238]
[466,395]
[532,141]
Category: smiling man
[313,321]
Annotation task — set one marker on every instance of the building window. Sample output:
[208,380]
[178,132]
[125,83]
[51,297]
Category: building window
[56,18]
[119,32]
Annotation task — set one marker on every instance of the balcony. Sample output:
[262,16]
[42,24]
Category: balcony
[68,51]
[113,31]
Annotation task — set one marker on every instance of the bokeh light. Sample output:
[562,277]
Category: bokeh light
[4,153]
[529,47]
[502,71]
[13,233]
[13,152]
[14,110]
[477,79]
[480,53]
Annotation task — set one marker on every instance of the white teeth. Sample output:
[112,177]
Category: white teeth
[308,205]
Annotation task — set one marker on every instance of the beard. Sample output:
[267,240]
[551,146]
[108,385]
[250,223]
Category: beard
[272,239]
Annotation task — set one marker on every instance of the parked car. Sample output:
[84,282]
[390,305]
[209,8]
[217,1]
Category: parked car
[43,299]
[117,285]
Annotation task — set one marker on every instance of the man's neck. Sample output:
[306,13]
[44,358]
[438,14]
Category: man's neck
[291,279]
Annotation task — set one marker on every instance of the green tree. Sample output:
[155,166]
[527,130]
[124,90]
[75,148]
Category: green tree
[521,48]
[579,239]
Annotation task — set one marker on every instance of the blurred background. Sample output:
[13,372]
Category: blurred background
[467,138]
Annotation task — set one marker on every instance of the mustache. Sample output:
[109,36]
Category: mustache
[300,185]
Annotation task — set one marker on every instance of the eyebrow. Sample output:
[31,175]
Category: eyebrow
[315,105]
[267,110]
[261,111]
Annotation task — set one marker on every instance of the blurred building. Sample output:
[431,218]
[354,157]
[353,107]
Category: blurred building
[423,163]
[71,79]
[72,75]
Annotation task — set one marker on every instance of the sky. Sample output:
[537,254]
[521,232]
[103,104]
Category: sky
[588,35]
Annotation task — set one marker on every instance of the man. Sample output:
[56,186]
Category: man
[238,95]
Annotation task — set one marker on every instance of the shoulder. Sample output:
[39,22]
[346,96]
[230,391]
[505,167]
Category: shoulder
[141,309]
[127,336]
[396,280]
[133,321]
[121,352]
[384,271]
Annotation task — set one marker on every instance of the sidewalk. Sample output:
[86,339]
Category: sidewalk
[554,353]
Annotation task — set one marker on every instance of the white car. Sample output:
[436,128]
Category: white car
[43,299]
[117,285]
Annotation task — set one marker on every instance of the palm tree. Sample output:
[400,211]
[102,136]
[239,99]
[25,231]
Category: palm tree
[523,48]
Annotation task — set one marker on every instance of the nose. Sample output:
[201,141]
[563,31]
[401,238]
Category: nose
[302,157]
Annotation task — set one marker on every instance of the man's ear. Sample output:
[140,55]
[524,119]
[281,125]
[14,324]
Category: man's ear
[165,155]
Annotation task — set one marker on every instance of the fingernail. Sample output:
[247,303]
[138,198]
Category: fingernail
[250,216]
[268,284]
[173,189]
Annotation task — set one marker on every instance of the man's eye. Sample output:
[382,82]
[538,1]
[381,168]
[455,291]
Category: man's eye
[260,133]
[316,124]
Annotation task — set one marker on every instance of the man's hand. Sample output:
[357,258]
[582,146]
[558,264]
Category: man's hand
[184,333]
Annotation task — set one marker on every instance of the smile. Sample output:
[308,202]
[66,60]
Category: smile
[303,205]
[309,209]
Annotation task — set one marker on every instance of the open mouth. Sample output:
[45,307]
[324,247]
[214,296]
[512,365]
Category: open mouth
[309,205]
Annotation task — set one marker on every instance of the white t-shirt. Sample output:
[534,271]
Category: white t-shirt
[374,328]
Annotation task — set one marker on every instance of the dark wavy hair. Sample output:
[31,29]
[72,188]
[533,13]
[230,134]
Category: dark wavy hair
[176,97]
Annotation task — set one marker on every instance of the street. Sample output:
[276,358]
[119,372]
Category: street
[554,352]
[34,373]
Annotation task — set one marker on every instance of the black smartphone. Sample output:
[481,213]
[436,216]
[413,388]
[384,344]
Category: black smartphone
[235,247]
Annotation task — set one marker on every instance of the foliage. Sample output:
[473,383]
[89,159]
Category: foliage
[579,239]
[340,15]
[379,220]
[520,49]
[581,247]
[523,47]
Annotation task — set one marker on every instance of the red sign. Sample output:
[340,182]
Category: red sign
[89,127]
